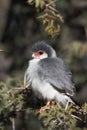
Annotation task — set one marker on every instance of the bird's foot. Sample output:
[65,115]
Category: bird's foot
[42,109]
[47,106]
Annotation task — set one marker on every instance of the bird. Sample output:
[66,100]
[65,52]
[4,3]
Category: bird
[49,76]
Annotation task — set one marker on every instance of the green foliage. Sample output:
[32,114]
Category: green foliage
[10,101]
[58,117]
[84,108]
[50,17]
[14,98]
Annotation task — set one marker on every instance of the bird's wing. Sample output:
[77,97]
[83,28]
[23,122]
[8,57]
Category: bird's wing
[56,72]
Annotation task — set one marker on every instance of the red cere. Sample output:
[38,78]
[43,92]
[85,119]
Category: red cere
[39,53]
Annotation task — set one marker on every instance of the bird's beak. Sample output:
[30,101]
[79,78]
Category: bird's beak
[35,55]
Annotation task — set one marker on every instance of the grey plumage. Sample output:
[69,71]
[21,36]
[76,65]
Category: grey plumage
[49,77]
[57,73]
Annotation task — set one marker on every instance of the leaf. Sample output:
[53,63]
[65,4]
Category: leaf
[42,4]
[37,3]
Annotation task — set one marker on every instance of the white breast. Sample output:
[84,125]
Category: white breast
[41,88]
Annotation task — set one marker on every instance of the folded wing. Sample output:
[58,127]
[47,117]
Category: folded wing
[57,73]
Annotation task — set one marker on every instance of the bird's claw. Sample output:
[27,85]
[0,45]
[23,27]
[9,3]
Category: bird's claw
[42,109]
[47,106]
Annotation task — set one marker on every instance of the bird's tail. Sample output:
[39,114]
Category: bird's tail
[78,112]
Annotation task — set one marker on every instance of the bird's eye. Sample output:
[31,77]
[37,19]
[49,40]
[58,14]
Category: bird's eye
[40,52]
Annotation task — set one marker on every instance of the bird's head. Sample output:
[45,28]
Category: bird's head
[42,50]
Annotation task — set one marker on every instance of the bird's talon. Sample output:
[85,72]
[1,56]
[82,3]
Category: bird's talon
[47,106]
[42,109]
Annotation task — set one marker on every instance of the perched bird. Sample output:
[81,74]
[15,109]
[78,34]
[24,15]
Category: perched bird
[49,76]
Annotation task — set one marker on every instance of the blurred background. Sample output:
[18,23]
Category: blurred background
[20,29]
